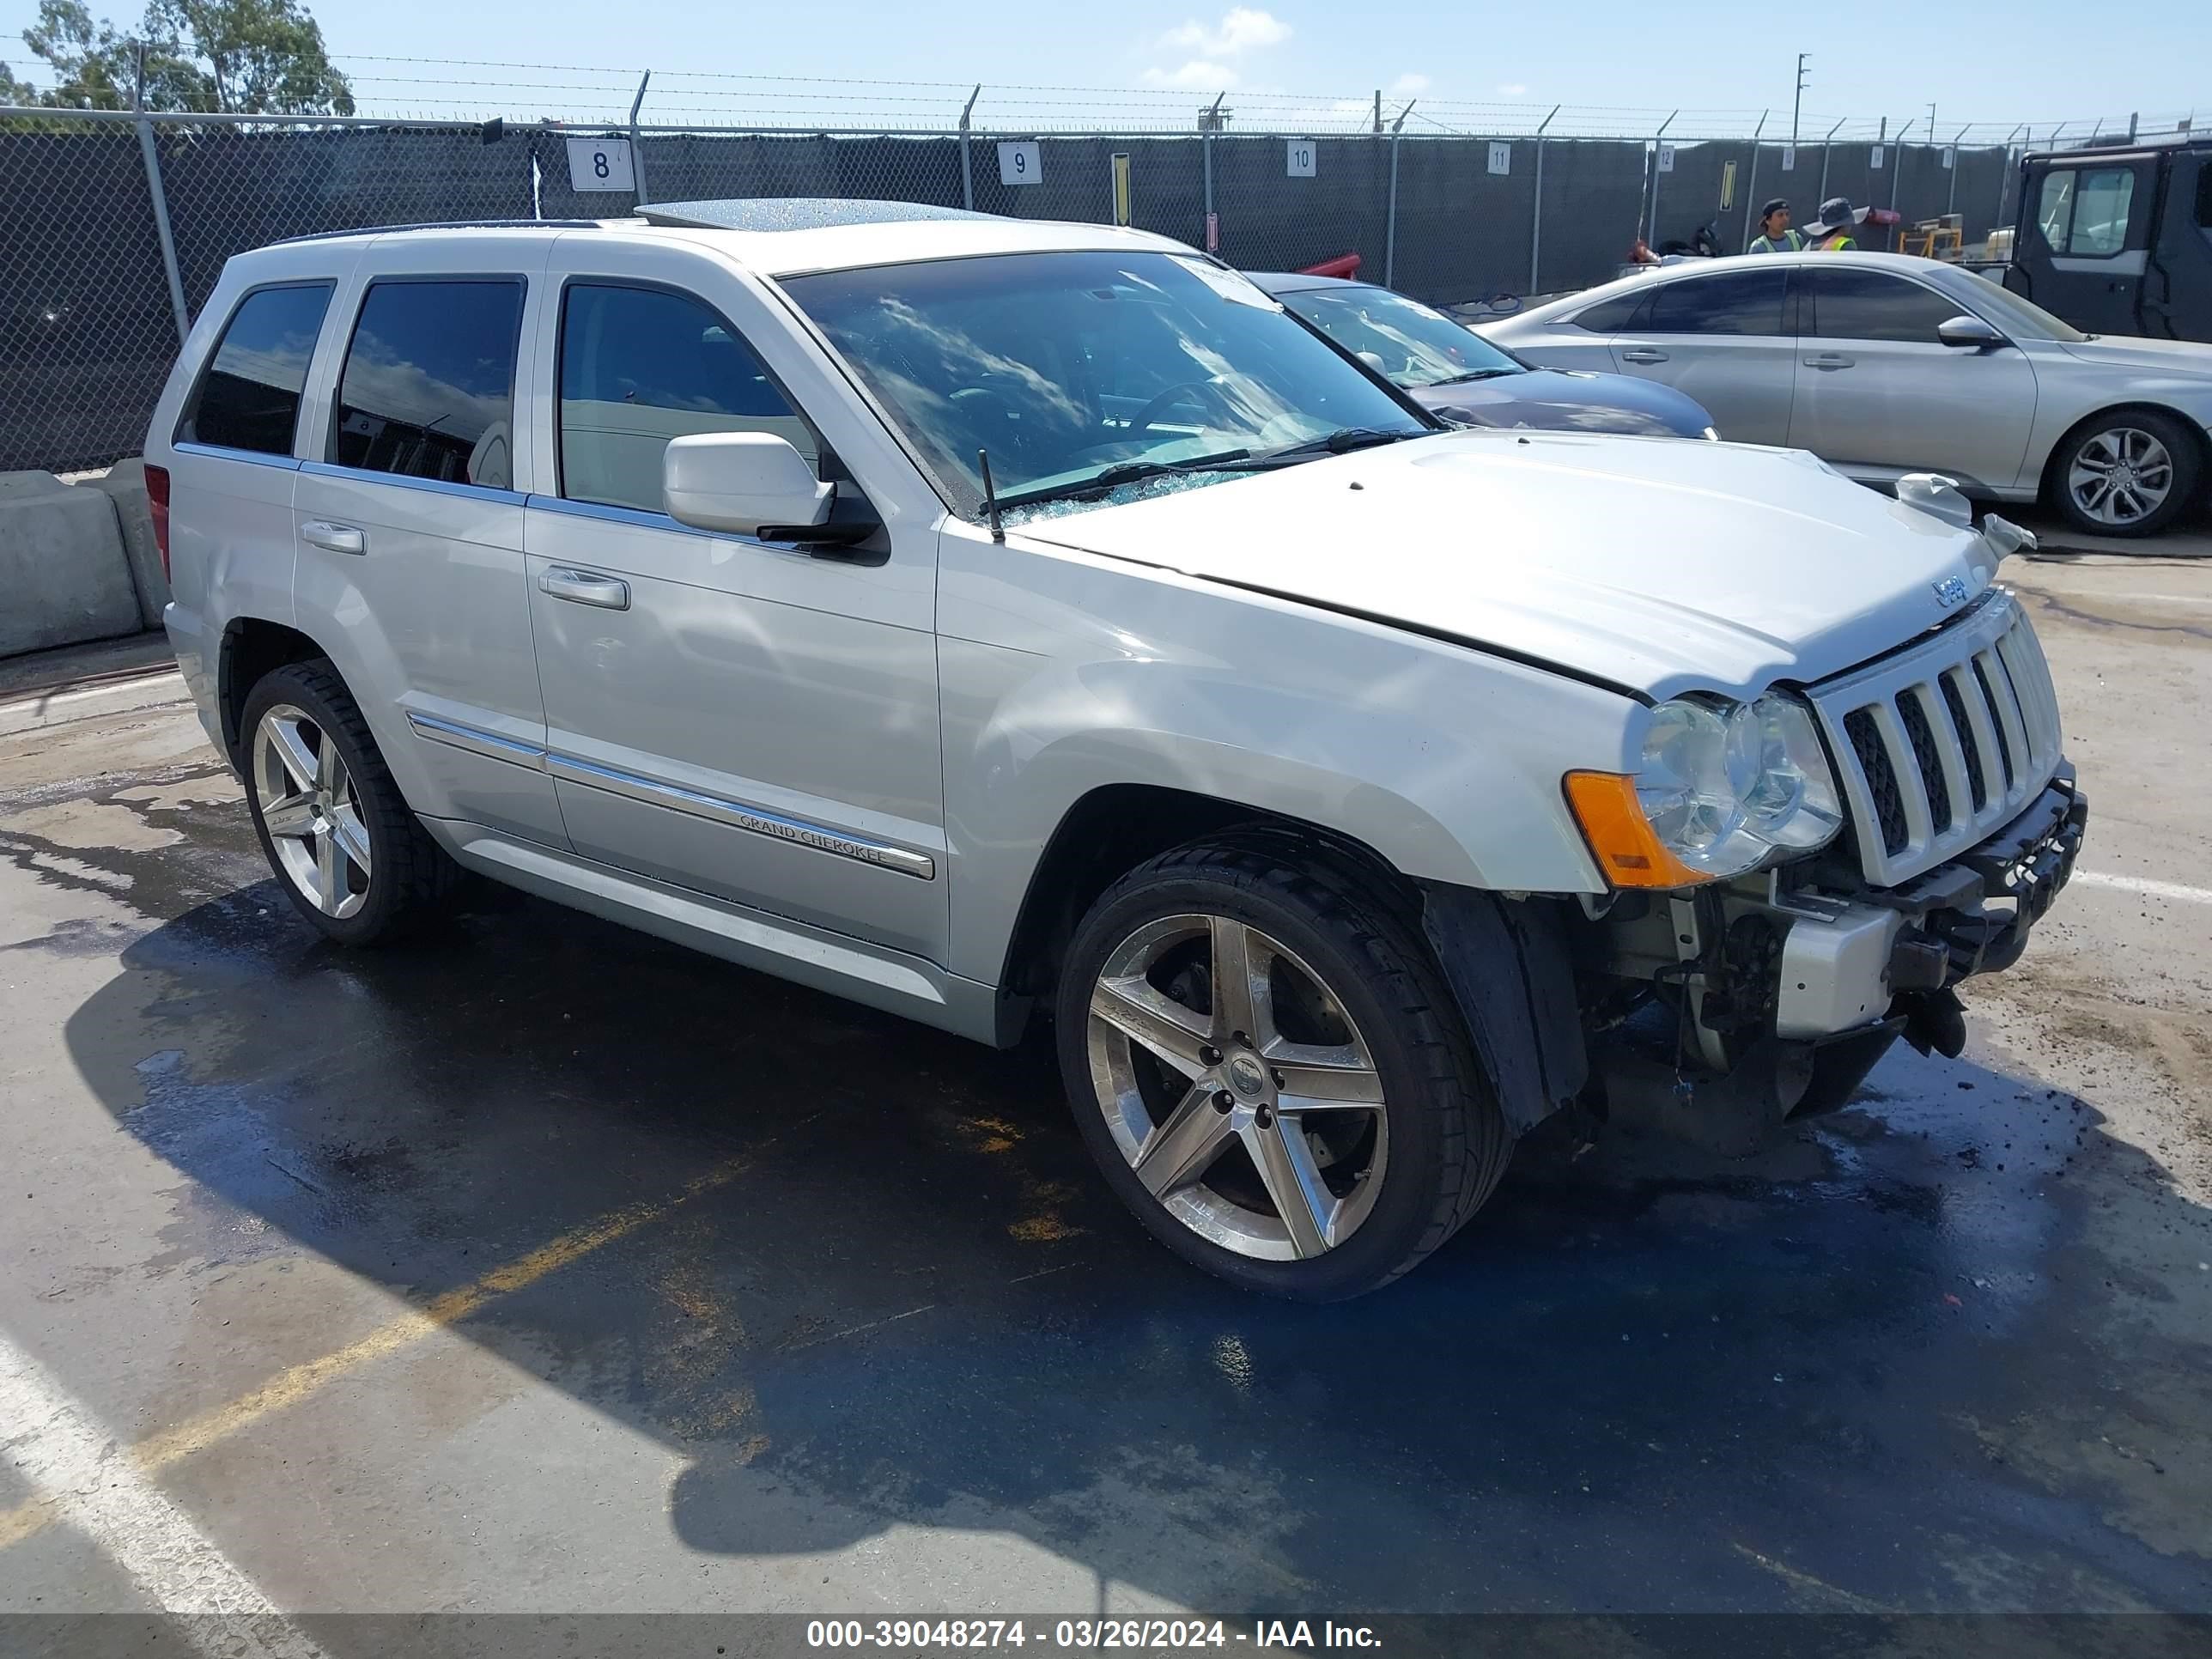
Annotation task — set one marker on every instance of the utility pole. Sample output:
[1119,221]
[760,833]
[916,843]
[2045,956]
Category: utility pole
[1798,102]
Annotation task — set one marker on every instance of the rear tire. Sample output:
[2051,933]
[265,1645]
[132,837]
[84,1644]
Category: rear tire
[1313,1137]
[2131,472]
[350,855]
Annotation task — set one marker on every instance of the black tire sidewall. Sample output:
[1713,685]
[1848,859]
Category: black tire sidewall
[2180,444]
[1421,1105]
[300,686]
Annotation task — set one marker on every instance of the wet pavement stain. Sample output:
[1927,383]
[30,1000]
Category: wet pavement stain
[1899,1361]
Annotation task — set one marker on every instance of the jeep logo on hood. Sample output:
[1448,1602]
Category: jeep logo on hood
[1950,593]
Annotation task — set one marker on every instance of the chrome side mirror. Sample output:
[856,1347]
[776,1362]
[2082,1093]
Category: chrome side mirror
[1969,334]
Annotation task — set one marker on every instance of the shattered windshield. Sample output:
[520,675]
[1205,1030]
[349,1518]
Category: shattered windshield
[1093,375]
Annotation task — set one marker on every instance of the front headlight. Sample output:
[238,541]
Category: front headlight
[1723,787]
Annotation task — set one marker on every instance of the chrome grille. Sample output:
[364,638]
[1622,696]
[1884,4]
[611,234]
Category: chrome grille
[1942,744]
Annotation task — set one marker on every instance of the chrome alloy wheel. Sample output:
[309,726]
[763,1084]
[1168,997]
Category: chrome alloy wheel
[306,798]
[1238,1088]
[2121,476]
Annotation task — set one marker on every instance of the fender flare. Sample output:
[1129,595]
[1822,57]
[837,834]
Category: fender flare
[1508,964]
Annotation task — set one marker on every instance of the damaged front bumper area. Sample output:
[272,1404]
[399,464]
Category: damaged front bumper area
[1844,958]
[1768,982]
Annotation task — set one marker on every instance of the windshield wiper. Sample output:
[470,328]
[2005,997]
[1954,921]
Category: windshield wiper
[1342,442]
[1474,374]
[1104,481]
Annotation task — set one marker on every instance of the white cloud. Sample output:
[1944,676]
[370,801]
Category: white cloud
[1512,89]
[1196,74]
[1242,29]
[1409,86]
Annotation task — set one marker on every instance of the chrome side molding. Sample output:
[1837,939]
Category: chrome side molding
[753,819]
[476,740]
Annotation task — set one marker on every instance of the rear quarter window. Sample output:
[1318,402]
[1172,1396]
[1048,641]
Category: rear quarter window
[1613,316]
[249,397]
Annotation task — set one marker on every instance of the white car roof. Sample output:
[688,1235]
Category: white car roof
[789,236]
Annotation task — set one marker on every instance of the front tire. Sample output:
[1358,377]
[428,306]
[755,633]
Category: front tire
[1271,1072]
[2129,473]
[350,855]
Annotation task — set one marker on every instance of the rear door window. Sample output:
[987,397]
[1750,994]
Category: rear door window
[249,399]
[1741,302]
[640,366]
[428,386]
[2101,212]
[1848,304]
[2083,211]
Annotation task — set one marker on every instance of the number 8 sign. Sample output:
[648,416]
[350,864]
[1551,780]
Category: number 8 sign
[600,164]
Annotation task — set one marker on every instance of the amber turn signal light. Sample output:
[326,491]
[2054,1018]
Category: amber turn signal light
[1621,837]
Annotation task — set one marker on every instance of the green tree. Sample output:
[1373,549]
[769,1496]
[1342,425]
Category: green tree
[13,91]
[242,56]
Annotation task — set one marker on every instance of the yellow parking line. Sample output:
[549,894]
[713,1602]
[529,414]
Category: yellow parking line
[289,1387]
[20,1522]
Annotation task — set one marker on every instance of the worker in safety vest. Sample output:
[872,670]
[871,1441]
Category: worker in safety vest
[1775,235]
[1832,231]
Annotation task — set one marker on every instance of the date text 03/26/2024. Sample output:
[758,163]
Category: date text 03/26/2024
[926,1635]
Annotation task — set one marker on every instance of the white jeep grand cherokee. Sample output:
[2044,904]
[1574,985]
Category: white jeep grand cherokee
[982,618]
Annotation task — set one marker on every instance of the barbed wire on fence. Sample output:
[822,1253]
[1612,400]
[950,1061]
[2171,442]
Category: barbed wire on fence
[405,87]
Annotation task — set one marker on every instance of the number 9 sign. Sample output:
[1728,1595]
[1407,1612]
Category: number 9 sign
[1020,164]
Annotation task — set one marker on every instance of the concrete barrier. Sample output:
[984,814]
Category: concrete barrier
[124,483]
[64,576]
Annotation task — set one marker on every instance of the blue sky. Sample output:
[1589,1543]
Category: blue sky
[2026,61]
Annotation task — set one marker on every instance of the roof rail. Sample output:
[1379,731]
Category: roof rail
[767,213]
[440,224]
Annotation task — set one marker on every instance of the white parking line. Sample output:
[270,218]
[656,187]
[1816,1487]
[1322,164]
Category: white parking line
[73,1463]
[2165,890]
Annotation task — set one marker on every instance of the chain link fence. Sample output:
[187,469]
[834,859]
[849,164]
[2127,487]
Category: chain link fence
[114,227]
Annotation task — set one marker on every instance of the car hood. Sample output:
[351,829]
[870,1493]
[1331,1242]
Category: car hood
[2160,356]
[1652,565]
[1563,400]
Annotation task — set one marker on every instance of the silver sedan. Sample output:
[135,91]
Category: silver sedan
[1883,364]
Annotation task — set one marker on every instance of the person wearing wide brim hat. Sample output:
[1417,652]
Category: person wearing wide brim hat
[1775,235]
[1832,231]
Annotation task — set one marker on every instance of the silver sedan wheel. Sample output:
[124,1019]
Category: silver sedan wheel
[2121,476]
[1238,1087]
[306,798]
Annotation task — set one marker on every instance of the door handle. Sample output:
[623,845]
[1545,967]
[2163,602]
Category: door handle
[1829,359]
[333,537]
[584,587]
[1643,354]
